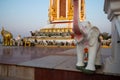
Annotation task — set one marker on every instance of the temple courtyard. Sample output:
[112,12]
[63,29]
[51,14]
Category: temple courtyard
[20,54]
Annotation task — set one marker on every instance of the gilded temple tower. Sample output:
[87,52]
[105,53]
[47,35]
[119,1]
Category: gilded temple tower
[60,26]
[60,15]
[62,10]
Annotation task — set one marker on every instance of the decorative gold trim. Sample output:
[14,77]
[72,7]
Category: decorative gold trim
[53,10]
[82,10]
[56,30]
[70,10]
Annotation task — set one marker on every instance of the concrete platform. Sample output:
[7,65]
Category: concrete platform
[33,63]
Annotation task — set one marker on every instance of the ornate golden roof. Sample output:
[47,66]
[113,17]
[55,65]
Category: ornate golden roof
[60,10]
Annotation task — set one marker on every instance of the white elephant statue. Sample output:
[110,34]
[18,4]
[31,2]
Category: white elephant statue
[86,35]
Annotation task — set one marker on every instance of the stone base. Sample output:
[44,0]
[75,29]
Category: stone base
[112,64]
[16,72]
[111,67]
[13,72]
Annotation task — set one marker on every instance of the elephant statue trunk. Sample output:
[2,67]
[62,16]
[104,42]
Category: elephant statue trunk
[76,29]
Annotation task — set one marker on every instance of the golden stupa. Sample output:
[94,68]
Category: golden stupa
[60,25]
[60,15]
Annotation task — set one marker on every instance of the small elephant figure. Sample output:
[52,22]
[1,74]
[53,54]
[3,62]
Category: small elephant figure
[7,36]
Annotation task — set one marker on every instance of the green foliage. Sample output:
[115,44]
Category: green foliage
[106,35]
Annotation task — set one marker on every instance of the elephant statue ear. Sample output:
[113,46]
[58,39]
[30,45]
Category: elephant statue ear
[93,35]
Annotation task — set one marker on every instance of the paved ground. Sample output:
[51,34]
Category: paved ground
[55,58]
[15,54]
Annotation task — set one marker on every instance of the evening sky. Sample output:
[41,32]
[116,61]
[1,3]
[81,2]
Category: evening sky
[23,16]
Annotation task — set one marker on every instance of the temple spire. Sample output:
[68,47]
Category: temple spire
[62,10]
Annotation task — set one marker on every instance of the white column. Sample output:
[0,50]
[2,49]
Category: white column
[118,23]
[58,9]
[112,8]
[117,38]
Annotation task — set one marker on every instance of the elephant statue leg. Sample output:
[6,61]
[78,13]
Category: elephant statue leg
[94,46]
[91,58]
[5,42]
[80,54]
[98,61]
[8,42]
